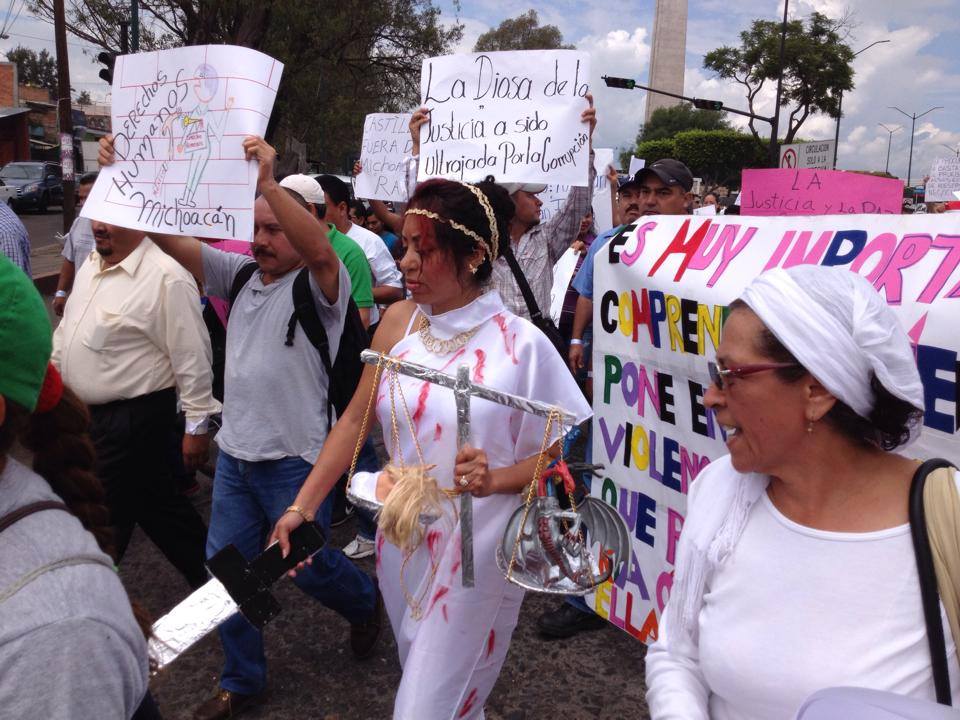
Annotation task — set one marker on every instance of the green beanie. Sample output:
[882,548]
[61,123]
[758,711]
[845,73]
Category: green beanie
[25,336]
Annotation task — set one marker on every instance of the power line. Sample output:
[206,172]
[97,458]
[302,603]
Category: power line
[50,40]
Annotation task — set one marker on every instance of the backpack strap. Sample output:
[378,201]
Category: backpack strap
[242,277]
[305,312]
[929,593]
[22,512]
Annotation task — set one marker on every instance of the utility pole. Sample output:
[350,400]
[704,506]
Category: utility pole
[135,25]
[65,112]
[775,122]
[890,133]
[913,128]
[952,149]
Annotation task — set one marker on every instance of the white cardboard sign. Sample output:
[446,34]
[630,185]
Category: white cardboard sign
[179,120]
[514,115]
[554,197]
[944,180]
[386,144]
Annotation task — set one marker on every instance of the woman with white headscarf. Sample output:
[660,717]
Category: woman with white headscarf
[796,569]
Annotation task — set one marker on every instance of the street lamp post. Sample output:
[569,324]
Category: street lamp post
[913,127]
[836,137]
[952,149]
[890,133]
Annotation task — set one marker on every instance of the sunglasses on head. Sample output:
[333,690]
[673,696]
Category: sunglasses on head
[721,376]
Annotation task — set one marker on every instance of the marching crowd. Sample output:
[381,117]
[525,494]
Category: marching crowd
[782,585]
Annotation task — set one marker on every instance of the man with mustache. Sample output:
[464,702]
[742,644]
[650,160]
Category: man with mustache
[274,414]
[131,341]
[662,188]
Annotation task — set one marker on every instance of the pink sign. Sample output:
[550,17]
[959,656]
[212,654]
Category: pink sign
[818,192]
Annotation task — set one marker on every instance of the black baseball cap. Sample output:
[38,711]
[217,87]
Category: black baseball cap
[671,173]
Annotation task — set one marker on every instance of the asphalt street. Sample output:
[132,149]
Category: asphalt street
[312,673]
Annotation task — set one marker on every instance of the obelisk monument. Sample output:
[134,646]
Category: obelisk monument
[668,55]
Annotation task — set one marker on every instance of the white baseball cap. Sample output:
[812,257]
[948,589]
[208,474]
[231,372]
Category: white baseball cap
[304,186]
[532,188]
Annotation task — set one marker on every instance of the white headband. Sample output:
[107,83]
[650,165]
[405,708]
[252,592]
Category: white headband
[840,329]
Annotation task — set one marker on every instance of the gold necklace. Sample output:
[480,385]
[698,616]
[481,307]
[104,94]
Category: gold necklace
[439,346]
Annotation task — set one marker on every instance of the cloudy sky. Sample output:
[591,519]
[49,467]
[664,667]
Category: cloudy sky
[918,69]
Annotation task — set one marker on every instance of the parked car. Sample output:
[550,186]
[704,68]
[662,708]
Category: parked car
[8,193]
[38,184]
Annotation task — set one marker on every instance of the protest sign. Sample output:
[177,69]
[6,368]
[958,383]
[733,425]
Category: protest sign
[554,197]
[817,154]
[513,115]
[179,120]
[818,192]
[660,297]
[944,180]
[705,210]
[563,271]
[386,144]
[636,165]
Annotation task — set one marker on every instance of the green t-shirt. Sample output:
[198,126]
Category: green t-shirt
[356,264]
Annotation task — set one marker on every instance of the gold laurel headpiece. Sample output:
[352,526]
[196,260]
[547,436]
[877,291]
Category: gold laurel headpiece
[490,248]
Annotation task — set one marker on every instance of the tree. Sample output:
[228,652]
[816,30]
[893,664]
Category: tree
[340,63]
[84,98]
[667,122]
[716,156]
[38,70]
[522,33]
[818,66]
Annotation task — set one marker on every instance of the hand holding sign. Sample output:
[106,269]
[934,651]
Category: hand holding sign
[256,148]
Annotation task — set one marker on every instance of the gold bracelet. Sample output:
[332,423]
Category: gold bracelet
[307,517]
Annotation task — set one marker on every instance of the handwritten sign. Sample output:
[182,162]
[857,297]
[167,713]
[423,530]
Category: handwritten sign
[817,155]
[817,192]
[660,295]
[636,165]
[944,180]
[513,115]
[386,144]
[179,120]
[555,196]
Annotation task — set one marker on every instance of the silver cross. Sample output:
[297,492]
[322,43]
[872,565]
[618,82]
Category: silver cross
[463,390]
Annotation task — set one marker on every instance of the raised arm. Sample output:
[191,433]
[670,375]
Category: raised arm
[613,179]
[306,234]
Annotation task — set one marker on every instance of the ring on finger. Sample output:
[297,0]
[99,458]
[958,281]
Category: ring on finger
[462,481]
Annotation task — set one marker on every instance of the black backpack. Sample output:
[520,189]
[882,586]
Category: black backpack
[344,373]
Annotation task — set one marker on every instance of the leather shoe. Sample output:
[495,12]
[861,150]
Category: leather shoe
[225,704]
[364,636]
[566,621]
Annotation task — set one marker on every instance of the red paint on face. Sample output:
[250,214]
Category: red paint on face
[478,369]
[468,703]
[509,341]
[491,641]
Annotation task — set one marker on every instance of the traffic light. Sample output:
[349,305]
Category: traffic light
[708,104]
[616,82]
[107,58]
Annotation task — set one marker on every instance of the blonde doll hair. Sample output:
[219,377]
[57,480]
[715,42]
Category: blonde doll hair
[414,493]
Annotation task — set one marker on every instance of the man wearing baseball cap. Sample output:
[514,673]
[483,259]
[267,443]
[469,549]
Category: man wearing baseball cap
[662,188]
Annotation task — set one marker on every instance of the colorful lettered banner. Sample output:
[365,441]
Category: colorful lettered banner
[818,192]
[660,296]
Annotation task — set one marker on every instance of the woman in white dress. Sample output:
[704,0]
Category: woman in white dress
[452,640]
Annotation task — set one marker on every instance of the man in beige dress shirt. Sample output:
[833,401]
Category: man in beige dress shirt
[131,339]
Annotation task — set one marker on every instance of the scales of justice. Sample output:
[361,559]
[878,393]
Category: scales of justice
[545,548]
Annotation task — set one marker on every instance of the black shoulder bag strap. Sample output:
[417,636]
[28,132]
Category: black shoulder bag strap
[929,593]
[305,312]
[239,280]
[545,324]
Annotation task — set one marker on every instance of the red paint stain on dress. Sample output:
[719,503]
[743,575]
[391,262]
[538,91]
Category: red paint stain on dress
[421,404]
[437,432]
[509,341]
[458,554]
[468,703]
[441,591]
[481,362]
[443,609]
[491,641]
[456,356]
[433,537]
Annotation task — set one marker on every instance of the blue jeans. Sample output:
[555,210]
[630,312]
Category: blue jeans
[367,461]
[248,498]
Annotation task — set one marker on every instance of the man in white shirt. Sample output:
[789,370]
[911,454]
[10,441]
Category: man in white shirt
[387,280]
[77,245]
[131,337]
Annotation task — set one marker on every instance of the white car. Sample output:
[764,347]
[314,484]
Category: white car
[7,193]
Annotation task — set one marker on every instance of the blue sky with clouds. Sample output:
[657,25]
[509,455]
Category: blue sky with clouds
[917,69]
